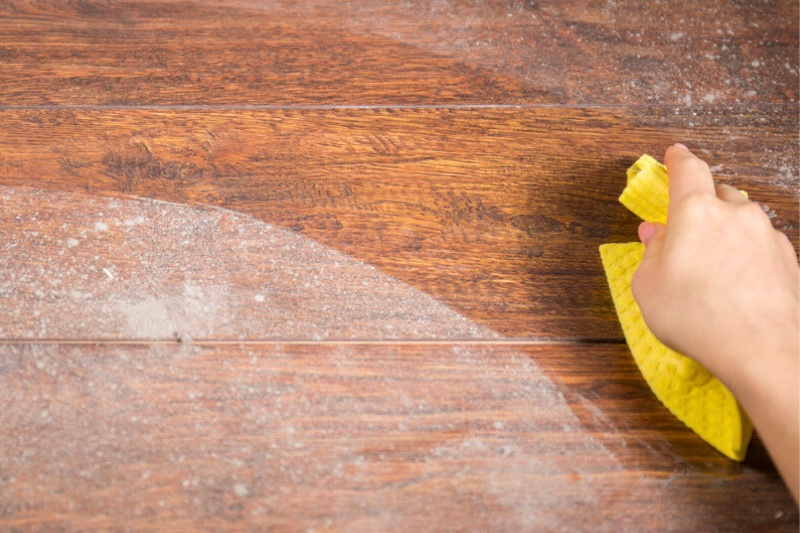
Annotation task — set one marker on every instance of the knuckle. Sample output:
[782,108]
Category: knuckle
[698,206]
[756,213]
[725,189]
[696,164]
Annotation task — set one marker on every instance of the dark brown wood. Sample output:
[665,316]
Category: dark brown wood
[471,151]
[387,53]
[497,213]
[359,437]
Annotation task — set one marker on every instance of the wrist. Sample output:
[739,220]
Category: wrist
[763,364]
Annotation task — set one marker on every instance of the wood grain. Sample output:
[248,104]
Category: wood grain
[497,213]
[423,52]
[358,437]
[471,151]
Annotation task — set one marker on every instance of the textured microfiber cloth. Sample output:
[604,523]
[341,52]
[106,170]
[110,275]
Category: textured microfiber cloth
[684,386]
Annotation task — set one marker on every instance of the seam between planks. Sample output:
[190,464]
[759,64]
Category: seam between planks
[365,107]
[513,341]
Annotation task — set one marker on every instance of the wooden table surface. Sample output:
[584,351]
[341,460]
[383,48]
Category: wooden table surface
[309,265]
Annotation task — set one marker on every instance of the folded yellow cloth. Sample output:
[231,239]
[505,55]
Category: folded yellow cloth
[684,386]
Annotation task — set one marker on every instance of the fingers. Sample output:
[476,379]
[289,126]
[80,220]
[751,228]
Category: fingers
[688,174]
[730,194]
[652,235]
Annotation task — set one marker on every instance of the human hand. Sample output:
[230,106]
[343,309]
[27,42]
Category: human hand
[718,283]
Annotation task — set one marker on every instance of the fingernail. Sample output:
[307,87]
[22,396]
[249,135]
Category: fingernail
[681,145]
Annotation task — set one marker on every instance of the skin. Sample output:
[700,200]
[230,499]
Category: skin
[721,285]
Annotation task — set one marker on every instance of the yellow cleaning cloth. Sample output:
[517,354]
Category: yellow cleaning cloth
[684,386]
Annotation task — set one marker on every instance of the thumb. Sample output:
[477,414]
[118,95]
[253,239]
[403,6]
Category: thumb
[652,235]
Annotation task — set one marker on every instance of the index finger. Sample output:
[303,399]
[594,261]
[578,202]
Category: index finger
[688,174]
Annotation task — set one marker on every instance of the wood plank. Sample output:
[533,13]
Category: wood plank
[359,437]
[313,52]
[497,213]
[292,147]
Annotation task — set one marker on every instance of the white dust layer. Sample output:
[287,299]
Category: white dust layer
[85,267]
[344,437]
